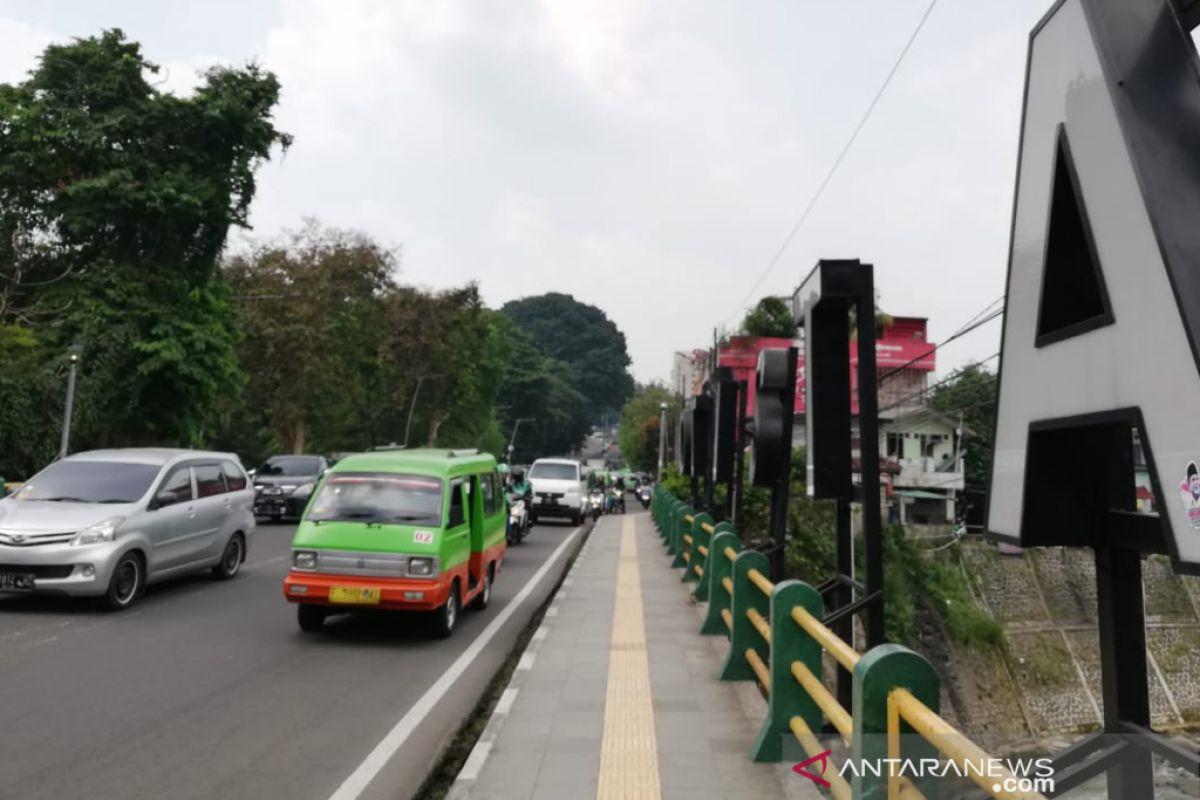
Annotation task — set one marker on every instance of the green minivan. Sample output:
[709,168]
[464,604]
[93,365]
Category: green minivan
[409,530]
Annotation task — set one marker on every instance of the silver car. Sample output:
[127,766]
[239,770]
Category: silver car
[106,523]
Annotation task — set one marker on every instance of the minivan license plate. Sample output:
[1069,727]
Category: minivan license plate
[10,582]
[355,595]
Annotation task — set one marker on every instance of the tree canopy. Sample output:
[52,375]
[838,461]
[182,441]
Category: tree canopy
[770,317]
[583,337]
[640,421]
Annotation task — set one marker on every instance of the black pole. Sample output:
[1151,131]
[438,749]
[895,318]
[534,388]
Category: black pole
[1123,677]
[868,437]
[781,490]
[844,626]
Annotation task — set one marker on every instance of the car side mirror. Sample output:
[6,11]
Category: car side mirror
[163,499]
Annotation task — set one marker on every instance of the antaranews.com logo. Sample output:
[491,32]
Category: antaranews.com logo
[1007,774]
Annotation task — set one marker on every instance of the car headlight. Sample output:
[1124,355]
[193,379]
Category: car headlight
[100,532]
[420,567]
[303,491]
[304,559]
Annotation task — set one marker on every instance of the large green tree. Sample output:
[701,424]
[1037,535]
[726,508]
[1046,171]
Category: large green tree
[115,202]
[583,337]
[971,396]
[770,317]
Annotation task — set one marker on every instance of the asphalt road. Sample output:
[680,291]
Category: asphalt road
[208,689]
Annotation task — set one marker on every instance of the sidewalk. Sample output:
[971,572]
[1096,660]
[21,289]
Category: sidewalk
[617,695]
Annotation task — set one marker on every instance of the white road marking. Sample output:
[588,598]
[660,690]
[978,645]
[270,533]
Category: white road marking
[474,764]
[377,759]
[505,703]
[526,662]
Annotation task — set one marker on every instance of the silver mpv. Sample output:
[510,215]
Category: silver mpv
[106,523]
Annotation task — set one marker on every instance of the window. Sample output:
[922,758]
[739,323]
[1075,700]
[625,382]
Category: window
[209,480]
[379,497]
[179,484]
[555,472]
[291,466]
[895,445]
[458,515]
[491,494]
[235,479]
[90,482]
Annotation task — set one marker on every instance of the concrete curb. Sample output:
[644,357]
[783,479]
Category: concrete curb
[477,758]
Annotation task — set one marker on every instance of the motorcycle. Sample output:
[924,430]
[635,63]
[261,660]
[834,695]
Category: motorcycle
[618,500]
[518,520]
[596,503]
[645,494]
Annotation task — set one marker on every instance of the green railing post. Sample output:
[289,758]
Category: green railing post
[672,515]
[743,636]
[789,643]
[718,568]
[698,537]
[681,526]
[703,590]
[880,670]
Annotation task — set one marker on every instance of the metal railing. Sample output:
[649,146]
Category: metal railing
[778,639]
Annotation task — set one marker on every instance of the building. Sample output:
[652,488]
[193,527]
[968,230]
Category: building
[689,371]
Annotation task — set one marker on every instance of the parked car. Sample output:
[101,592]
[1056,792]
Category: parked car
[283,484]
[557,489]
[408,530]
[107,523]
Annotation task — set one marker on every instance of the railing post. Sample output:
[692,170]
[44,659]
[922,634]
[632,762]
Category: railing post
[880,670]
[696,530]
[670,505]
[789,643]
[703,590]
[718,568]
[681,526]
[743,636]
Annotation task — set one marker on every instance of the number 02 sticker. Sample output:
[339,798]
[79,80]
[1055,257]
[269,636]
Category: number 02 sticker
[423,537]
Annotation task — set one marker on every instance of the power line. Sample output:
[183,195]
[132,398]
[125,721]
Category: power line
[838,161]
[956,374]
[975,324]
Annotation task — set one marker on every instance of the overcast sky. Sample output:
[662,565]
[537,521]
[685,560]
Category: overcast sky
[646,157]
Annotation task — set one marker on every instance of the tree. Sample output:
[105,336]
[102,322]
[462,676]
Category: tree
[771,317]
[972,395]
[638,434]
[115,203]
[583,337]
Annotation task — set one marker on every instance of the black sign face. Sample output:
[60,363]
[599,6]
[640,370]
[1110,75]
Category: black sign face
[725,430]
[1102,319]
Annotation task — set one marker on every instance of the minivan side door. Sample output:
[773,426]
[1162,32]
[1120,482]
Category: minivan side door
[458,525]
[173,525]
[212,511]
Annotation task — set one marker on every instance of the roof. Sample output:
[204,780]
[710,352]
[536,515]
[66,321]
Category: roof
[926,412]
[917,494]
[442,463]
[145,455]
[557,460]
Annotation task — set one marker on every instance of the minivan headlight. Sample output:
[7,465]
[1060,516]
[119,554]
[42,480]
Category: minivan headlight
[100,532]
[304,559]
[420,567]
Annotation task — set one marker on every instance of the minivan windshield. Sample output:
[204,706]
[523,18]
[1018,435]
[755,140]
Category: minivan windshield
[386,498]
[89,482]
[290,465]
[555,472]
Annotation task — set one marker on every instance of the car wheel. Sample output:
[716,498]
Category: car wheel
[231,559]
[447,616]
[484,598]
[127,581]
[310,617]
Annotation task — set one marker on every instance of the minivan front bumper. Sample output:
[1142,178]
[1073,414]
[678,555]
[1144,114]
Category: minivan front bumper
[62,569]
[396,594]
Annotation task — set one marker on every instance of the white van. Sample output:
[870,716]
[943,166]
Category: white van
[557,485]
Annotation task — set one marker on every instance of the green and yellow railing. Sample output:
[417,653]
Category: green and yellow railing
[777,638]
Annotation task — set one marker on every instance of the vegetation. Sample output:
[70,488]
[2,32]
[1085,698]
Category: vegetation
[972,394]
[116,200]
[771,317]
[639,432]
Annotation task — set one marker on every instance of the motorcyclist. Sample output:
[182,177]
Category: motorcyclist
[519,486]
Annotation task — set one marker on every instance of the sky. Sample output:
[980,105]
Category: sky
[647,158]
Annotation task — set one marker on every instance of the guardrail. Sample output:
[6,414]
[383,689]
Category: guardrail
[778,639]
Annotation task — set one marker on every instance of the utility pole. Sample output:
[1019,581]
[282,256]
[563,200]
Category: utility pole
[412,406]
[662,438]
[512,440]
[74,351]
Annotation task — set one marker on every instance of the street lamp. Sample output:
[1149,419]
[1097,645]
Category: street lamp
[513,438]
[662,437]
[412,406]
[73,354]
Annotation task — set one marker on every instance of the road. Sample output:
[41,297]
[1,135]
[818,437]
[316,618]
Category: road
[208,689]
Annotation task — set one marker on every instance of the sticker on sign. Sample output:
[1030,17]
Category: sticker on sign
[423,537]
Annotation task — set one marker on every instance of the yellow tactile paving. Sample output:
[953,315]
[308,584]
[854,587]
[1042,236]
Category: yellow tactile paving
[629,750]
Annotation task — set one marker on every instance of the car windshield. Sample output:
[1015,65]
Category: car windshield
[379,497]
[90,482]
[555,472]
[283,466]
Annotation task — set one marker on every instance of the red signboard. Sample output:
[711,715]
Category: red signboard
[902,345]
